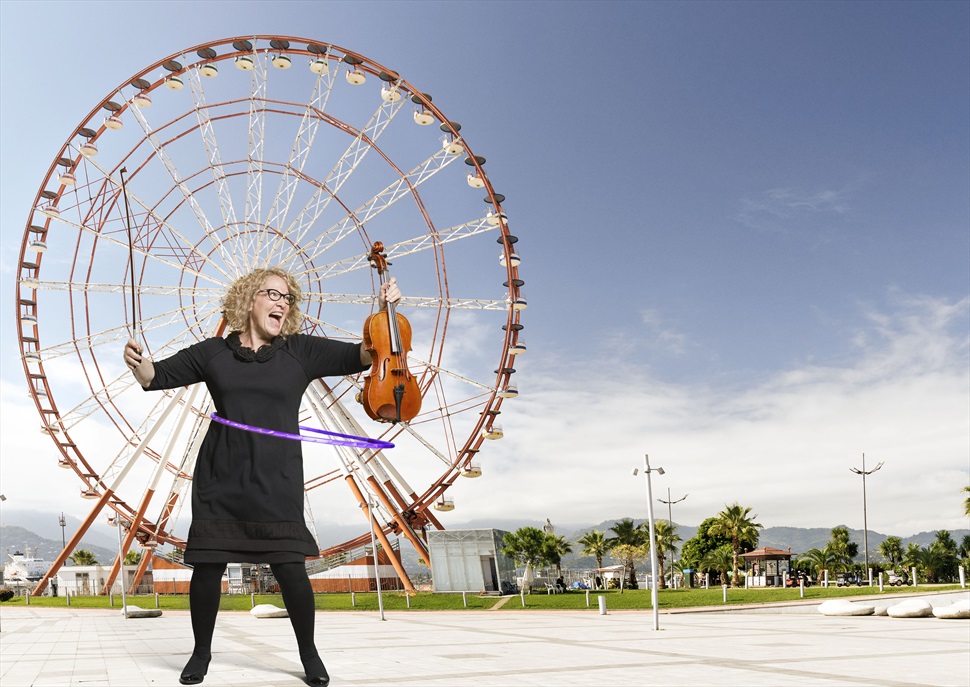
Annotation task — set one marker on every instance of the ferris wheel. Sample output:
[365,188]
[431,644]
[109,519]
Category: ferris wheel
[254,152]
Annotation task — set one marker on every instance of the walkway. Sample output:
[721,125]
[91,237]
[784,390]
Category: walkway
[60,647]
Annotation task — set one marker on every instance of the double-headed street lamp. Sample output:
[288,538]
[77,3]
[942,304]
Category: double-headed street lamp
[653,541]
[670,519]
[865,520]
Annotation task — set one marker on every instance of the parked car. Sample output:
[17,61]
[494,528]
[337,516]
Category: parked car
[848,579]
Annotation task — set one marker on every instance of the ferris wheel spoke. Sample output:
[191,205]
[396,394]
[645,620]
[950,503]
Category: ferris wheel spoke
[256,150]
[354,154]
[332,414]
[121,333]
[110,391]
[417,244]
[181,247]
[403,187]
[300,152]
[116,471]
[180,184]
[207,130]
[412,301]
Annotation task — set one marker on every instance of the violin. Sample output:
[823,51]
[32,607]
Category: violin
[391,393]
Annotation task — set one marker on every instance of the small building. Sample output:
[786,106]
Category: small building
[767,567]
[353,571]
[89,580]
[470,560]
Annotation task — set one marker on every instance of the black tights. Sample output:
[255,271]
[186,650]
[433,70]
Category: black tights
[206,588]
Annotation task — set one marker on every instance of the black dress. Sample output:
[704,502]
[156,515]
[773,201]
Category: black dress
[247,490]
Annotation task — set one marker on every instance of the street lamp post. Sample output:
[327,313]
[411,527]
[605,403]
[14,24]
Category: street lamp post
[670,519]
[373,548]
[63,523]
[116,520]
[653,541]
[865,520]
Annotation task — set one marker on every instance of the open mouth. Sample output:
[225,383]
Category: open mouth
[277,317]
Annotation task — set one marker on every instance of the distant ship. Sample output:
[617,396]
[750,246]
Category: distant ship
[24,568]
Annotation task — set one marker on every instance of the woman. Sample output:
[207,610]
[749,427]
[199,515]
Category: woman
[247,491]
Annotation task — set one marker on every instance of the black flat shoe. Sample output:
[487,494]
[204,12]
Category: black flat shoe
[316,672]
[194,671]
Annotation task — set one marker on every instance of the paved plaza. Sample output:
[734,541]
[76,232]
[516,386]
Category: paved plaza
[773,646]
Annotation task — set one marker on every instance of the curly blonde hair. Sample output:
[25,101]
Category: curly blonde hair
[235,306]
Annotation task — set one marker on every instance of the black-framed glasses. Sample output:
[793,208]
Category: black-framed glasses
[275,295]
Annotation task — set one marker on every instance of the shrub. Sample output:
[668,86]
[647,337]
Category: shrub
[6,594]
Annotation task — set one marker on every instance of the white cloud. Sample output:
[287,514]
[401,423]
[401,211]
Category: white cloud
[783,446]
[778,208]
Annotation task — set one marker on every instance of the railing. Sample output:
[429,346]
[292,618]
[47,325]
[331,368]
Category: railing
[319,565]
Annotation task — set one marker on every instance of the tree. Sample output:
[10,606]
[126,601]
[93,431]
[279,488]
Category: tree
[594,544]
[892,550]
[966,501]
[555,547]
[932,562]
[911,555]
[133,558]
[526,546]
[627,534]
[631,555]
[842,549]
[737,524]
[717,560]
[702,543]
[965,547]
[83,557]
[818,560]
[947,551]
[667,538]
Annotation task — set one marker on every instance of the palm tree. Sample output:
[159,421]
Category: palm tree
[842,549]
[83,557]
[966,502]
[892,550]
[594,544]
[932,562]
[667,540]
[133,558]
[911,555]
[736,523]
[555,548]
[629,535]
[718,560]
[947,550]
[965,546]
[818,560]
[527,547]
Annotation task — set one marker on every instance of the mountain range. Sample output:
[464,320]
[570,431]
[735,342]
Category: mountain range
[41,532]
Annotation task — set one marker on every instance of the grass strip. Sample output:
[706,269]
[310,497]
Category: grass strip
[575,600]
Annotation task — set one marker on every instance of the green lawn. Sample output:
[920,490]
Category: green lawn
[690,598]
[428,601]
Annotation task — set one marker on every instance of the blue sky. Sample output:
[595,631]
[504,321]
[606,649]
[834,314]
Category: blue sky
[744,227]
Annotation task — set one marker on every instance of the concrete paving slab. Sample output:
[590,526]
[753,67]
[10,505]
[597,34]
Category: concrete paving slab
[94,648]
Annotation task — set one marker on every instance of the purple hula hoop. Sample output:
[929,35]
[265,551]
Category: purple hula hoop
[334,438]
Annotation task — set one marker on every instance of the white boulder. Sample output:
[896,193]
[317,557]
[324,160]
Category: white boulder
[959,611]
[843,607]
[137,612]
[911,608]
[269,611]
